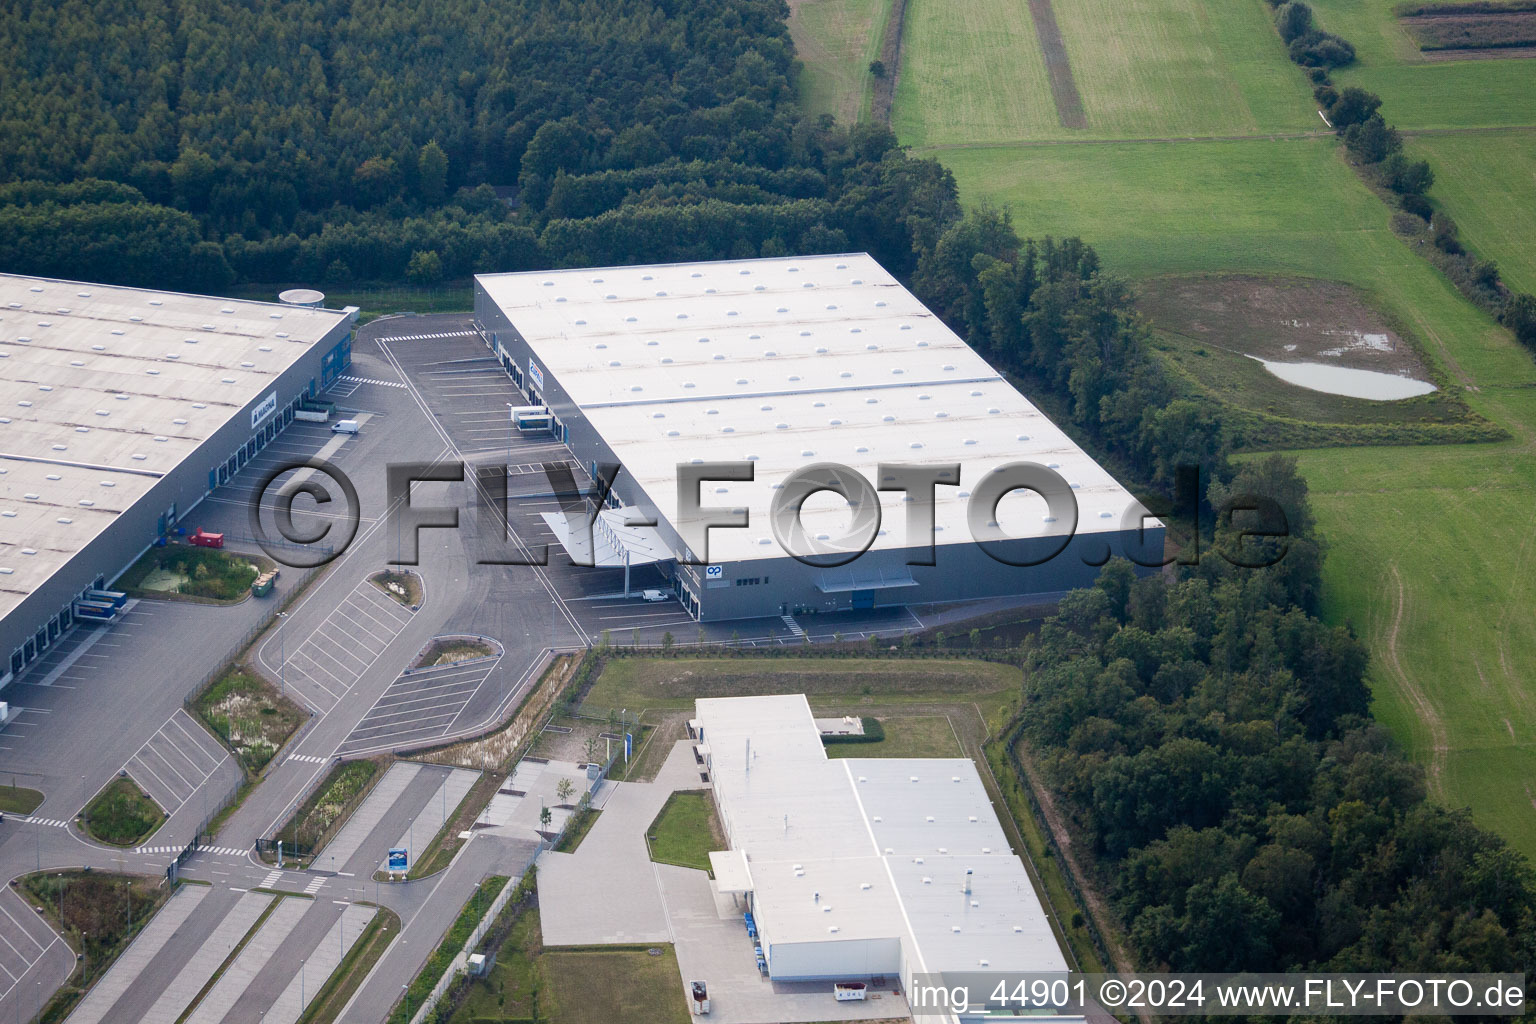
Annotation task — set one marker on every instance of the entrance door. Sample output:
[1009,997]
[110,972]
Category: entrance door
[863,599]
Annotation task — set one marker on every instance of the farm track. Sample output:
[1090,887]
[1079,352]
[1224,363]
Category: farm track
[1251,137]
[1069,102]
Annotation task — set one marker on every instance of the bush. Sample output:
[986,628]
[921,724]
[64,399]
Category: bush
[1520,317]
[1325,95]
[874,732]
[1406,224]
[1408,177]
[1293,20]
[1322,50]
[1445,234]
[1319,76]
[1354,106]
[1418,206]
[1372,140]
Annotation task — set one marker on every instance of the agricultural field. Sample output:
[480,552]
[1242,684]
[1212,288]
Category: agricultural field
[1427,90]
[1422,541]
[974,73]
[835,41]
[1487,182]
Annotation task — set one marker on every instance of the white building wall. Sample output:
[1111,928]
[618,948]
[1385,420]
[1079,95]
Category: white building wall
[840,960]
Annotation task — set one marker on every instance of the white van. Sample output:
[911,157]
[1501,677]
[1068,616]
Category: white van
[654,595]
[344,427]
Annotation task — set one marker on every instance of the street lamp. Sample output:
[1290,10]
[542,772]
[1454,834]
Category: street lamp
[511,426]
[282,646]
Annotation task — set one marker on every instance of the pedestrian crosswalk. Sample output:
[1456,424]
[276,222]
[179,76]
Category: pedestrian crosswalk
[314,885]
[223,851]
[429,337]
[344,379]
[273,877]
[308,758]
[794,627]
[50,822]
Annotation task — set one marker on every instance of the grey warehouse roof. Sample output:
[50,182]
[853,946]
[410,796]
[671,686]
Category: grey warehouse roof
[104,390]
[871,847]
[785,363]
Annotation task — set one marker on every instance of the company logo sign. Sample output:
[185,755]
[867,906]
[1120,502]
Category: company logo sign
[267,407]
[535,374]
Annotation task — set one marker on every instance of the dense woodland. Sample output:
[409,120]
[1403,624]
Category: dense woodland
[196,144]
[1208,734]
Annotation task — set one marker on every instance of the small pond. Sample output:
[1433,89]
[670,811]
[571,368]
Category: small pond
[1341,380]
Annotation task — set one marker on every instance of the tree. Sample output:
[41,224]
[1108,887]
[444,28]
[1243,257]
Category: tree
[1372,140]
[1354,106]
[590,749]
[432,173]
[1409,177]
[1520,317]
[545,817]
[1293,20]
[564,790]
[666,642]
[877,68]
[424,268]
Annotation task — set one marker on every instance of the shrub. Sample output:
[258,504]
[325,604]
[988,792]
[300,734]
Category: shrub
[1293,20]
[1325,95]
[1520,317]
[1372,140]
[1319,76]
[1409,177]
[877,68]
[1354,106]
[1445,234]
[1406,224]
[1322,50]
[1417,205]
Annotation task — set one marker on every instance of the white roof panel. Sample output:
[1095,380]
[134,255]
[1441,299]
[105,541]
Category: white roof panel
[785,363]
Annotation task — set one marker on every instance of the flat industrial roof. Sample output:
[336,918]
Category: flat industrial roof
[871,847]
[104,390]
[785,363]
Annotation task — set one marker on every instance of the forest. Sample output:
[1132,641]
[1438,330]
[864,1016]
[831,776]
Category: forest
[194,145]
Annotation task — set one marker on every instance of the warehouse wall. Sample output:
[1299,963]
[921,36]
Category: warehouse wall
[834,960]
[133,530]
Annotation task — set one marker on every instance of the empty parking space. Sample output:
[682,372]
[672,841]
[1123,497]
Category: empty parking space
[175,761]
[328,662]
[420,705]
[23,941]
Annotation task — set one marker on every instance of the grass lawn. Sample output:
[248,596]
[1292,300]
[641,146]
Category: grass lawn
[19,800]
[251,716]
[906,736]
[327,1004]
[409,584]
[576,829]
[330,804]
[685,830]
[211,574]
[99,913]
[448,297]
[453,943]
[835,41]
[1487,183]
[571,986]
[122,814]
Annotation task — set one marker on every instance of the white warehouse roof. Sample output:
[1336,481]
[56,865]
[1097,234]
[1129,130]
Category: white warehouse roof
[785,363]
[104,390]
[873,847]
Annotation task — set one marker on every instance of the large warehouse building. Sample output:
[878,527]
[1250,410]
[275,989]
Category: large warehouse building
[120,409]
[785,363]
[863,867]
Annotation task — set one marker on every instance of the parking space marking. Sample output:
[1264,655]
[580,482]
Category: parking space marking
[175,761]
[336,652]
[422,705]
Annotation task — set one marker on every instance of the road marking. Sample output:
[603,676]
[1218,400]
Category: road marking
[52,822]
[308,758]
[430,337]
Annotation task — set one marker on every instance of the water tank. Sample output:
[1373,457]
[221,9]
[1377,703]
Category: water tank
[302,297]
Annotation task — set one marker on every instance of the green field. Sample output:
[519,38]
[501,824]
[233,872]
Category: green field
[836,40]
[1487,182]
[1421,92]
[122,814]
[973,73]
[1451,524]
[906,736]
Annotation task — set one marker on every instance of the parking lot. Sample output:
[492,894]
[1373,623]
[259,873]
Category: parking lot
[420,705]
[176,760]
[323,666]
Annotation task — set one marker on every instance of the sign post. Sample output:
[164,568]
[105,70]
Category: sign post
[399,860]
